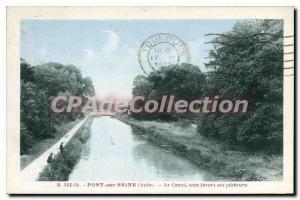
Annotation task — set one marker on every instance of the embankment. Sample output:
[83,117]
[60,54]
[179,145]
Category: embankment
[62,165]
[233,165]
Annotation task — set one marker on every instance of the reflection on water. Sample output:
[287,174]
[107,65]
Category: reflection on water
[113,153]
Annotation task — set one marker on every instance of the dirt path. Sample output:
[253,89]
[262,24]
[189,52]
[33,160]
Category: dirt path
[32,171]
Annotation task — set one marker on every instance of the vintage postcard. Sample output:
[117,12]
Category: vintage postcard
[150,100]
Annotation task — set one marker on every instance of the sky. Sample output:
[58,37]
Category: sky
[106,50]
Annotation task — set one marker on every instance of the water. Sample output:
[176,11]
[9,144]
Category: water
[113,153]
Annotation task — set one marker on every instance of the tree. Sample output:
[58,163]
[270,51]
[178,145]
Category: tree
[184,82]
[247,63]
[34,111]
[88,88]
[38,84]
[142,87]
[26,139]
[26,71]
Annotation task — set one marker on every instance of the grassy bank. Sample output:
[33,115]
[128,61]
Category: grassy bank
[62,165]
[221,159]
[41,146]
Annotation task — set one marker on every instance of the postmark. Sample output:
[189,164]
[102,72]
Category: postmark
[162,49]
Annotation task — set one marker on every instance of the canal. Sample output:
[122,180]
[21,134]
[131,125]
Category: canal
[114,153]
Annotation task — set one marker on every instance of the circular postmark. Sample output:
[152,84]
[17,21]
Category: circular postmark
[162,49]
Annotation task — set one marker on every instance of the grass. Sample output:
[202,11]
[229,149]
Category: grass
[220,158]
[41,146]
[62,165]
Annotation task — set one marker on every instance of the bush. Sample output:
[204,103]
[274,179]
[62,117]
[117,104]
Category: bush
[26,139]
[62,165]
[260,129]
[184,123]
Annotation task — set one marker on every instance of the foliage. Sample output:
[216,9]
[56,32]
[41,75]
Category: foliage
[34,112]
[26,71]
[60,168]
[38,84]
[26,139]
[62,165]
[183,81]
[55,78]
[247,63]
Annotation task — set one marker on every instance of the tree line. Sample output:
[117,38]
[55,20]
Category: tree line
[38,84]
[244,63]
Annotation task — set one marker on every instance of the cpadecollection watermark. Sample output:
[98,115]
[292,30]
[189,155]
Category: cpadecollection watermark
[139,104]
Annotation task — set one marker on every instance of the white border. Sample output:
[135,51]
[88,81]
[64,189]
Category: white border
[243,17]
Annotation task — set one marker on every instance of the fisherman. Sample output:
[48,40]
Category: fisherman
[50,158]
[61,148]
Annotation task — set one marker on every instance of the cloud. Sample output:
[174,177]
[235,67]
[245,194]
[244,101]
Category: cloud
[108,47]
[129,50]
[112,65]
[89,54]
[111,44]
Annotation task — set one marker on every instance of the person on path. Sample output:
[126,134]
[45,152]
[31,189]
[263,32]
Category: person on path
[50,158]
[61,148]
